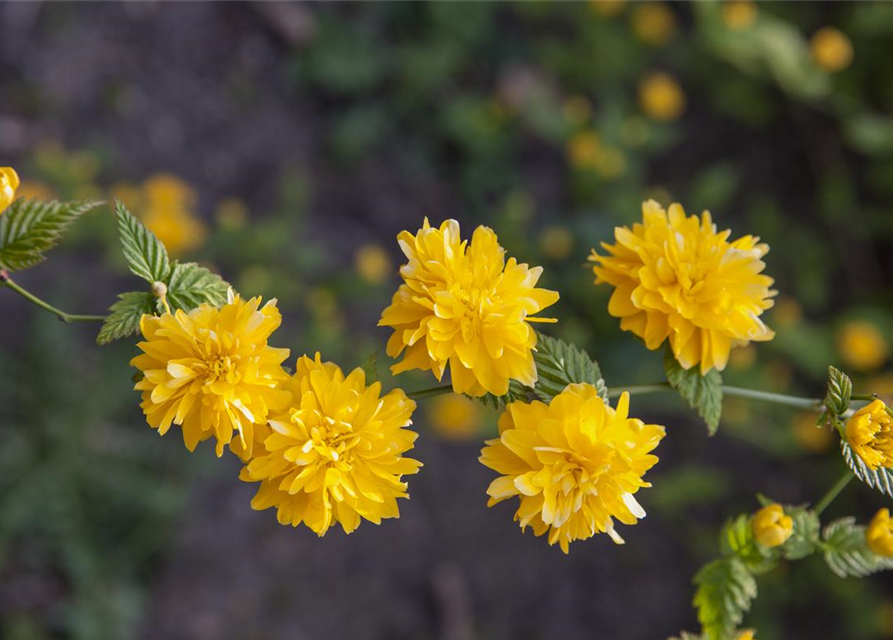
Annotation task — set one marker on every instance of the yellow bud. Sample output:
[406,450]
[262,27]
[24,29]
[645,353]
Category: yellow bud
[869,433]
[661,98]
[9,183]
[879,534]
[771,527]
[739,14]
[831,49]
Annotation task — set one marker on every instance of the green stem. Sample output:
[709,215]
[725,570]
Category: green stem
[732,392]
[833,492]
[63,316]
[430,392]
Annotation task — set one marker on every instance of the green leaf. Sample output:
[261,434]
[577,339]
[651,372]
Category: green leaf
[725,590]
[880,478]
[805,538]
[124,319]
[840,390]
[517,391]
[30,228]
[847,553]
[370,368]
[702,393]
[146,256]
[191,285]
[736,539]
[559,363]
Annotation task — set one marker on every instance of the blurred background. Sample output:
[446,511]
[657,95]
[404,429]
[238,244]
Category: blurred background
[286,145]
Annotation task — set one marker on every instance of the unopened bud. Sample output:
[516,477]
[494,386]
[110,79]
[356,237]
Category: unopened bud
[159,289]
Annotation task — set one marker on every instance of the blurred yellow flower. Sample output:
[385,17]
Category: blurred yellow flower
[131,196]
[465,306]
[557,242]
[809,436]
[576,110]
[676,277]
[211,371]
[231,214]
[607,8]
[575,464]
[170,213]
[584,149]
[34,190]
[335,455]
[9,183]
[869,433]
[746,634]
[787,312]
[739,14]
[831,49]
[862,346]
[879,534]
[661,98]
[653,23]
[771,527]
[454,416]
[373,263]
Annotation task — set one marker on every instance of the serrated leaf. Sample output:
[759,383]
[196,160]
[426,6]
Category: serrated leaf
[804,538]
[559,363]
[702,393]
[30,228]
[847,553]
[124,317]
[840,390]
[725,590]
[736,539]
[517,391]
[145,254]
[370,368]
[190,286]
[880,478]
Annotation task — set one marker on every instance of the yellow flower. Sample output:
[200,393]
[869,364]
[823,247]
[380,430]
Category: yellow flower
[575,464]
[169,213]
[454,416]
[862,346]
[654,23]
[831,49]
[211,371]
[9,183]
[879,534]
[584,150]
[557,242]
[738,14]
[464,305]
[869,433]
[373,263]
[607,8]
[336,453]
[746,634]
[675,277]
[661,98]
[771,527]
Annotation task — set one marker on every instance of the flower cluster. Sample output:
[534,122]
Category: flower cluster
[675,277]
[466,306]
[869,433]
[575,464]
